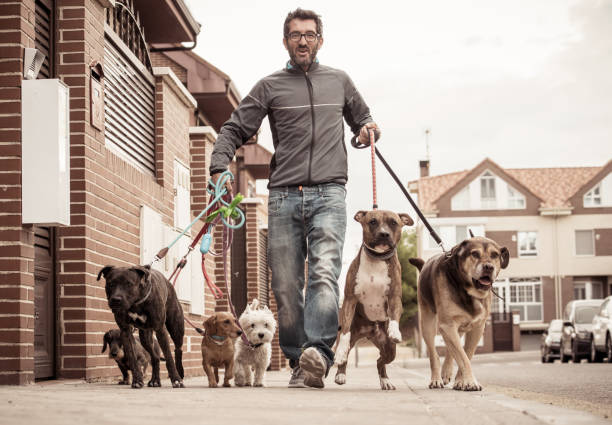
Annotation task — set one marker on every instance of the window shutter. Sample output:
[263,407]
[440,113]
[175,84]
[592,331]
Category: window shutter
[129,108]
[43,40]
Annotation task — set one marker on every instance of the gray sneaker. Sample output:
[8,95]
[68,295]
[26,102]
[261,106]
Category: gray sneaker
[314,366]
[297,378]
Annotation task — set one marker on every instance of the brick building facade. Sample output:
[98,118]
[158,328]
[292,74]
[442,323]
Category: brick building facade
[125,199]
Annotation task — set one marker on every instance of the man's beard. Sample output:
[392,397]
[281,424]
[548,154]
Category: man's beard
[306,61]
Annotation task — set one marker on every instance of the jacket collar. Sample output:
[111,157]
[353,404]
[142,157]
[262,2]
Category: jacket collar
[298,70]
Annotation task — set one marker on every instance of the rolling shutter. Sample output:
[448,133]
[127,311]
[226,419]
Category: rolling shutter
[43,40]
[129,108]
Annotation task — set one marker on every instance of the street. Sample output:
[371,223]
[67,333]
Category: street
[518,391]
[582,386]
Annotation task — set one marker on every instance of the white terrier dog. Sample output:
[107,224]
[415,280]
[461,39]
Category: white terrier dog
[259,326]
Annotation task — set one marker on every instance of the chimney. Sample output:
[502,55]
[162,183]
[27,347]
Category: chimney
[424,167]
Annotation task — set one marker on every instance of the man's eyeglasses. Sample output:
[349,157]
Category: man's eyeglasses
[310,37]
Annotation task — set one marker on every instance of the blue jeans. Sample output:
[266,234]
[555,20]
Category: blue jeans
[307,223]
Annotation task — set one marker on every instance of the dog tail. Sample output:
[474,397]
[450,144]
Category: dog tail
[417,262]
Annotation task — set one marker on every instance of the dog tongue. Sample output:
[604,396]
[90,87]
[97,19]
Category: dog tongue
[485,281]
[381,248]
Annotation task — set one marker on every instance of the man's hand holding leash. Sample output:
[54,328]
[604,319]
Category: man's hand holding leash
[364,133]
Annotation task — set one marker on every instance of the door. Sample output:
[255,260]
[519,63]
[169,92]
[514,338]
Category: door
[502,331]
[44,303]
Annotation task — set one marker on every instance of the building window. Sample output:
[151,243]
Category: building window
[487,191]
[585,242]
[593,197]
[527,244]
[515,199]
[452,234]
[588,290]
[526,297]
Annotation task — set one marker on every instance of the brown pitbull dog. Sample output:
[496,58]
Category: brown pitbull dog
[373,292]
[454,296]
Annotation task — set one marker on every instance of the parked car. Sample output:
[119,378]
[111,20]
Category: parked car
[550,342]
[577,324]
[601,336]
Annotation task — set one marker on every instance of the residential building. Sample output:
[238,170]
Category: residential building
[556,223]
[104,161]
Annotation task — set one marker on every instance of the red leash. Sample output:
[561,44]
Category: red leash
[373,149]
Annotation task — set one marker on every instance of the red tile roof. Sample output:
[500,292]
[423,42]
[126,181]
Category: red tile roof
[554,186]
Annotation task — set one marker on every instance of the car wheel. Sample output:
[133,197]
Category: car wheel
[575,356]
[609,348]
[596,356]
[564,358]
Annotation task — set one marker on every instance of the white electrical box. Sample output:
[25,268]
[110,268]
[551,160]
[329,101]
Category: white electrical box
[45,152]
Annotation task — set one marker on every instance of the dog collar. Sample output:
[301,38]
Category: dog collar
[148,292]
[379,255]
[218,339]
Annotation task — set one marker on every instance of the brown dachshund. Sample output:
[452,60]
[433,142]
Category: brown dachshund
[218,347]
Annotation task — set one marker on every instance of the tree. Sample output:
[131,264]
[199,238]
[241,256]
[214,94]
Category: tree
[407,249]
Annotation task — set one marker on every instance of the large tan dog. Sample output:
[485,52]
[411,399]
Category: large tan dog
[373,292]
[218,347]
[454,296]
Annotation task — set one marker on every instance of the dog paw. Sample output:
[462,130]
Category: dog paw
[154,382]
[137,384]
[258,384]
[340,379]
[124,382]
[436,383]
[212,385]
[178,384]
[227,384]
[247,384]
[394,332]
[385,384]
[447,376]
[467,385]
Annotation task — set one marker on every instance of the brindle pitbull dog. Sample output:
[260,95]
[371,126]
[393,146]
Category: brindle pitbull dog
[145,299]
[373,292]
[454,293]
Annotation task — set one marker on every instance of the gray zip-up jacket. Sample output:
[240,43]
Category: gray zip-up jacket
[305,110]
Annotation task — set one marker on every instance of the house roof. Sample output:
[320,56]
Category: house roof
[554,186]
[213,89]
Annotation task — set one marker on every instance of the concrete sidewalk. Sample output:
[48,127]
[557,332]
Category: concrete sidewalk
[360,401]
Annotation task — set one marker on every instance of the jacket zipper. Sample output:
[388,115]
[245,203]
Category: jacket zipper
[312,116]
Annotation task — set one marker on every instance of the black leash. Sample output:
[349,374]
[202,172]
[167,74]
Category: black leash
[432,232]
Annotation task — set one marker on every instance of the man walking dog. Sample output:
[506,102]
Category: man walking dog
[306,103]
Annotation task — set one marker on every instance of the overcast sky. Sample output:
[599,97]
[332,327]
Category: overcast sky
[527,83]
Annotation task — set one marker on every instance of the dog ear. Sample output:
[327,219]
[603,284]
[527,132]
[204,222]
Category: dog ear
[360,215]
[143,272]
[505,257]
[471,233]
[211,325]
[455,253]
[104,272]
[106,343]
[254,304]
[406,220]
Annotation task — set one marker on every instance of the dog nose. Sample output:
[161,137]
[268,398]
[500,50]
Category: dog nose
[115,300]
[239,333]
[488,267]
[383,234]
[261,335]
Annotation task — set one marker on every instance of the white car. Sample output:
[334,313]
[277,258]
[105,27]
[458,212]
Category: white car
[601,334]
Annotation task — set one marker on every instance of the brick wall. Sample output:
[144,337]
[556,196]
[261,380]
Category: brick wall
[17,251]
